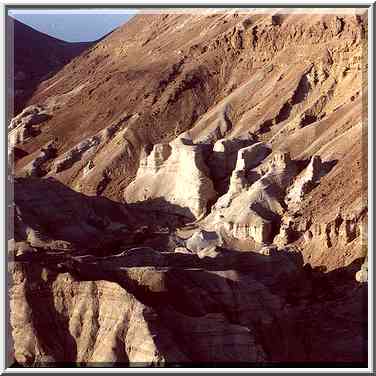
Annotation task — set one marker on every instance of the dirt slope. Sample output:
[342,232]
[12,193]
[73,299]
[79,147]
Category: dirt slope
[294,80]
[37,56]
[228,144]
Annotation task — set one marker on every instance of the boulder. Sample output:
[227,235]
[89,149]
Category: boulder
[361,275]
[203,239]
[249,157]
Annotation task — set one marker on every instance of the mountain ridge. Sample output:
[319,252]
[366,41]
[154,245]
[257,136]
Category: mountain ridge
[36,55]
[207,173]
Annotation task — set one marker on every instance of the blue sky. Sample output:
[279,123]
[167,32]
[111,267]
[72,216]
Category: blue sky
[78,25]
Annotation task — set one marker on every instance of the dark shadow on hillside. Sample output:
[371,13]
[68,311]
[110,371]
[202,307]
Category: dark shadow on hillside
[36,57]
[165,208]
[54,211]
[328,166]
[19,153]
[51,326]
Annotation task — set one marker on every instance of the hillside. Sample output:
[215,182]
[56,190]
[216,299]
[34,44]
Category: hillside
[208,173]
[37,56]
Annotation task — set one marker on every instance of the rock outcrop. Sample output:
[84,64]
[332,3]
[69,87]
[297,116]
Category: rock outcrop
[35,168]
[177,309]
[253,202]
[202,240]
[173,178]
[362,274]
[222,160]
[75,154]
[21,127]
[306,181]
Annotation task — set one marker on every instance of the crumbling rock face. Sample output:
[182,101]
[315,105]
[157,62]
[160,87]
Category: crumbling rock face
[222,160]
[73,155]
[31,115]
[143,307]
[251,156]
[178,310]
[87,317]
[344,231]
[338,240]
[248,126]
[251,205]
[21,127]
[154,161]
[35,168]
[285,234]
[256,227]
[306,181]
[173,178]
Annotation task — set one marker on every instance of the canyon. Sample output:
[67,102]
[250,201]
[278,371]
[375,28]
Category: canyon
[191,190]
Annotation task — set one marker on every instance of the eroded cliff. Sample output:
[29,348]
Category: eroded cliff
[192,190]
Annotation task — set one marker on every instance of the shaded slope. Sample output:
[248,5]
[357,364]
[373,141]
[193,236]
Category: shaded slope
[160,75]
[36,56]
[294,81]
[255,125]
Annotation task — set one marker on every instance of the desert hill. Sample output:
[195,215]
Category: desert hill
[209,171]
[37,56]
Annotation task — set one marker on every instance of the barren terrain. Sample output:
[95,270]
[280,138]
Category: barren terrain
[192,189]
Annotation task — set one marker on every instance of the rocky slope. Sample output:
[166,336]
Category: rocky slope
[208,175]
[35,57]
